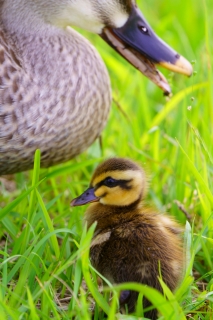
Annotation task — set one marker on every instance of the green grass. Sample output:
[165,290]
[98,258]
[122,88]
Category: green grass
[44,250]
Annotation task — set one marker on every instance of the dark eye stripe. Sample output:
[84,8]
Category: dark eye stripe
[111,183]
[124,184]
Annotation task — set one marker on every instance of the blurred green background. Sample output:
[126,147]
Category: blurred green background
[171,138]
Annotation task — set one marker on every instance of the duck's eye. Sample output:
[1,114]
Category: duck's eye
[144,29]
[110,182]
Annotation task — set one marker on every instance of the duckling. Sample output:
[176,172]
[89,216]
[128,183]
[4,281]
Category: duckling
[55,90]
[131,242]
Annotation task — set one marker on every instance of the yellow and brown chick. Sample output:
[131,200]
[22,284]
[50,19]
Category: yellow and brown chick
[131,242]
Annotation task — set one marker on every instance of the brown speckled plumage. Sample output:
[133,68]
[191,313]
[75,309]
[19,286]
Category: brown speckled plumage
[49,98]
[131,242]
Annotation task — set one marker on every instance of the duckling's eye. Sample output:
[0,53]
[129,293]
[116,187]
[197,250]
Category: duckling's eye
[110,182]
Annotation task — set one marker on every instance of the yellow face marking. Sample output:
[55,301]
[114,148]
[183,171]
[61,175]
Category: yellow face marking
[118,175]
[101,191]
[118,196]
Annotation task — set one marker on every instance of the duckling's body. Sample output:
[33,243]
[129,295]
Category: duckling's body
[54,88]
[131,242]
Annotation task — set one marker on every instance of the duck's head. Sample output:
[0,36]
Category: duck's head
[116,182]
[121,24]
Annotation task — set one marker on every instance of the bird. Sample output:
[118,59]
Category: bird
[132,242]
[55,92]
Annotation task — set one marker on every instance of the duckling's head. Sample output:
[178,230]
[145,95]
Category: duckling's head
[116,182]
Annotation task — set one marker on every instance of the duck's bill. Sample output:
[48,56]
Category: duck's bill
[86,197]
[140,46]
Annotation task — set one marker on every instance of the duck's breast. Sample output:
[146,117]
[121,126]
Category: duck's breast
[55,96]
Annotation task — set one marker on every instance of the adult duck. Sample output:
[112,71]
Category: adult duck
[54,87]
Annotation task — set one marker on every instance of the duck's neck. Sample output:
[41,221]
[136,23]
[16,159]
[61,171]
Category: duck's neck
[39,42]
[28,16]
[110,216]
[37,16]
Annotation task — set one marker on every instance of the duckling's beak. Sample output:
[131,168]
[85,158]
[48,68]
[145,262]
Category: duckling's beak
[86,197]
[139,45]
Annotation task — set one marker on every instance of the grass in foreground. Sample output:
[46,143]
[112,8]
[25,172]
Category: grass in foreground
[45,271]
